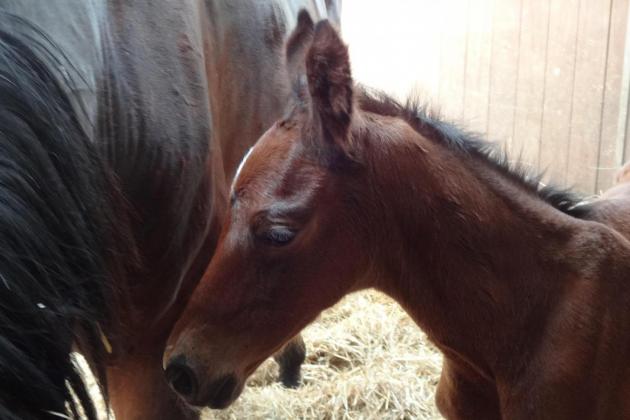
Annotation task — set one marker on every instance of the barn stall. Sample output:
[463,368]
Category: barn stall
[548,79]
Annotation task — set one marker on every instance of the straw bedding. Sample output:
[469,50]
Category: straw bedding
[366,360]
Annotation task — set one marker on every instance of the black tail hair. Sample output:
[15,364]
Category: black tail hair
[59,233]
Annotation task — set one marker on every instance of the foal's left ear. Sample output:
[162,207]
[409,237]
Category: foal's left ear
[330,85]
[297,45]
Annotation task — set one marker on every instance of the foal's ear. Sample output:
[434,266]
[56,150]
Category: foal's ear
[298,44]
[330,85]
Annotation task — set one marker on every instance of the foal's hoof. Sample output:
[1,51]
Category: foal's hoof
[290,380]
[290,360]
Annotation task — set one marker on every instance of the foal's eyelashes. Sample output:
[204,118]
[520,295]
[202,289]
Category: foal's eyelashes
[278,235]
[273,231]
[278,226]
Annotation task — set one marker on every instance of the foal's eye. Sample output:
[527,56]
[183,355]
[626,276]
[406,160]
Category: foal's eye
[278,235]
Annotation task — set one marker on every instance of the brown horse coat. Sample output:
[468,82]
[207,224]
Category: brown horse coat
[165,85]
[524,289]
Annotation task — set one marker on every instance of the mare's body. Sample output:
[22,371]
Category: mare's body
[524,290]
[164,86]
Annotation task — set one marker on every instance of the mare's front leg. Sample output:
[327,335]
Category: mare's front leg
[290,359]
[138,389]
[463,395]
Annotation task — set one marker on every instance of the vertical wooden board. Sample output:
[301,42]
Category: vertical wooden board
[504,63]
[368,50]
[531,81]
[623,132]
[610,149]
[453,58]
[394,47]
[477,77]
[590,71]
[559,77]
[426,68]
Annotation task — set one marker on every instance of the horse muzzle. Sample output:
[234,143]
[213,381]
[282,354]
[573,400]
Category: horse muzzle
[197,386]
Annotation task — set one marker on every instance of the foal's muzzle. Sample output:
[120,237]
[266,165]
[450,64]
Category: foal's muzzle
[181,378]
[214,393]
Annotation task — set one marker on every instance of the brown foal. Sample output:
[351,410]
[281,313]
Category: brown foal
[523,288]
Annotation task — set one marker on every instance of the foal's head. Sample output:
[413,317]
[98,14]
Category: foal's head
[289,247]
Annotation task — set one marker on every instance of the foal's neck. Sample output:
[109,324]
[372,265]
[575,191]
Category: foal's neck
[482,261]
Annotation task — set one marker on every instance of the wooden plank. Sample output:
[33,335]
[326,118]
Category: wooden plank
[477,77]
[430,18]
[533,72]
[623,132]
[453,58]
[559,84]
[531,81]
[610,150]
[504,69]
[590,72]
[372,57]
[396,48]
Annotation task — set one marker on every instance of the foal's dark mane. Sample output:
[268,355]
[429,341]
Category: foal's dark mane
[433,128]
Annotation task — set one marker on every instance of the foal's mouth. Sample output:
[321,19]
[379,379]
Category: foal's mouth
[223,391]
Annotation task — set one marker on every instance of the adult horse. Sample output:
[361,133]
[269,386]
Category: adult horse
[523,289]
[110,215]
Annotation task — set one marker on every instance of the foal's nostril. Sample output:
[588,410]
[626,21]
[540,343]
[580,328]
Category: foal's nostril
[181,377]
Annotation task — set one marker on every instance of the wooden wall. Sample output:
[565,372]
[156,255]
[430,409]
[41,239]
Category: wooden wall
[544,77]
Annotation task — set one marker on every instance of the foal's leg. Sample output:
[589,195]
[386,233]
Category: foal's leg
[138,390]
[290,359]
[461,395]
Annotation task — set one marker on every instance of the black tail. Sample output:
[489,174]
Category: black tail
[58,240]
